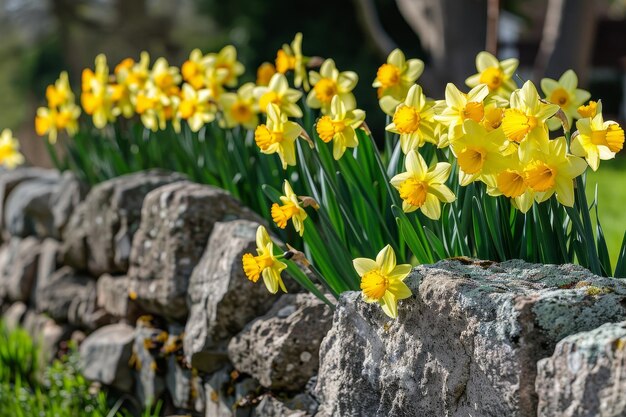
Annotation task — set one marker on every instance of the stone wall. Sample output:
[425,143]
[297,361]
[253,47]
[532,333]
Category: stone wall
[145,272]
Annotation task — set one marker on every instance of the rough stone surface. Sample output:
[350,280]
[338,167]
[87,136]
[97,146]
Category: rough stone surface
[71,297]
[221,299]
[101,229]
[272,407]
[112,295]
[14,315]
[18,268]
[586,375]
[46,333]
[42,206]
[228,394]
[179,379]
[466,343]
[176,223]
[281,349]
[48,263]
[148,360]
[105,354]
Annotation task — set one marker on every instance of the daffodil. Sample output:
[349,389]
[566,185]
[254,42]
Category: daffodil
[339,126]
[290,58]
[165,77]
[265,264]
[97,95]
[511,182]
[382,281]
[10,155]
[423,188]
[279,93]
[194,69]
[460,106]
[589,110]
[597,140]
[290,209]
[278,136]
[554,172]
[480,154]
[565,93]
[264,73]
[59,93]
[498,75]
[196,107]
[238,108]
[130,77]
[525,121]
[397,75]
[51,121]
[413,120]
[226,60]
[328,83]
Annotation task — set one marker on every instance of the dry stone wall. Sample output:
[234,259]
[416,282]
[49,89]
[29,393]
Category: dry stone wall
[146,268]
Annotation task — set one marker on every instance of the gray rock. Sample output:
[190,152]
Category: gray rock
[112,295]
[14,315]
[466,343]
[18,268]
[149,361]
[100,231]
[281,348]
[70,297]
[46,333]
[176,222]
[221,299]
[48,262]
[272,407]
[42,206]
[179,379]
[105,354]
[227,395]
[586,376]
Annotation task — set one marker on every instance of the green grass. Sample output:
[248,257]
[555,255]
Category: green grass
[611,181]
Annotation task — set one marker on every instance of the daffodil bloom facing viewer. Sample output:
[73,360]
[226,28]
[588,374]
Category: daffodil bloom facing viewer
[196,107]
[498,75]
[279,93]
[423,188]
[265,264]
[596,139]
[339,126]
[460,106]
[278,136]
[382,281]
[397,75]
[226,59]
[328,83]
[565,93]
[413,120]
[238,108]
[290,209]
[10,155]
[97,94]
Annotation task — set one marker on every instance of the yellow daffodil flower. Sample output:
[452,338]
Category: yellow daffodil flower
[279,93]
[265,264]
[564,93]
[397,75]
[194,69]
[238,108]
[10,155]
[382,281]
[290,209]
[264,73]
[278,136]
[165,77]
[413,120]
[226,59]
[97,94]
[422,187]
[460,106]
[589,110]
[60,92]
[52,121]
[339,126]
[480,154]
[597,140]
[131,77]
[498,75]
[329,82]
[196,107]
[554,172]
[511,182]
[290,58]
[525,121]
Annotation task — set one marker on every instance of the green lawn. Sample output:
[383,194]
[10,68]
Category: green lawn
[611,181]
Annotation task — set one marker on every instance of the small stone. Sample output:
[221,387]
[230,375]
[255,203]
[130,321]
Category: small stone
[18,268]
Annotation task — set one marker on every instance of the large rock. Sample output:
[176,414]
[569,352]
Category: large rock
[586,375]
[466,343]
[18,268]
[149,361]
[114,298]
[176,222]
[105,356]
[46,333]
[13,316]
[281,349]
[42,206]
[221,299]
[272,407]
[228,394]
[70,297]
[100,232]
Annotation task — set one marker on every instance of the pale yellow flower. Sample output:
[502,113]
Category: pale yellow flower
[196,107]
[265,264]
[97,94]
[226,60]
[278,136]
[329,82]
[279,93]
[290,209]
[239,108]
[10,155]
[413,120]
[498,75]
[397,75]
[290,58]
[460,107]
[339,126]
[566,95]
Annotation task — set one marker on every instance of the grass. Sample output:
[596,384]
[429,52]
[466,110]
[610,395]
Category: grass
[611,180]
